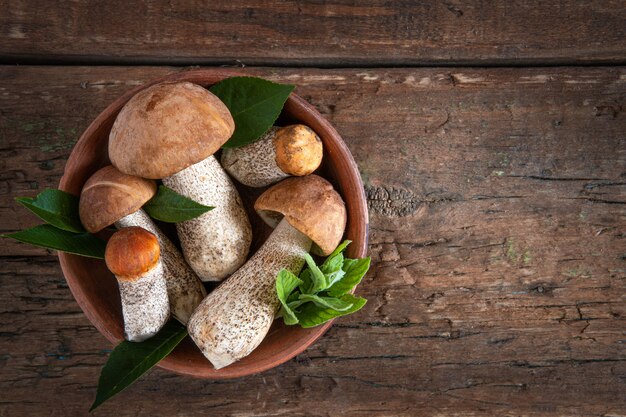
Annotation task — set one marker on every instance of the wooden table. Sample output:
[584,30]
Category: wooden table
[491,137]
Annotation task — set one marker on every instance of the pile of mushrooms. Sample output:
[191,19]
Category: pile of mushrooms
[170,131]
[111,197]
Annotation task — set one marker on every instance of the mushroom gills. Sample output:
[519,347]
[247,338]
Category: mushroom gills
[184,289]
[233,319]
[144,304]
[216,243]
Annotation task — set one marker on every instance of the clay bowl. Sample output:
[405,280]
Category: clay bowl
[95,288]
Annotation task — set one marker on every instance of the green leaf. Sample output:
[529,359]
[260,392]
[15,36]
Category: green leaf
[294,304]
[317,276]
[355,270]
[130,360]
[286,282]
[169,206]
[334,262]
[335,277]
[254,103]
[48,236]
[311,315]
[326,302]
[307,281]
[56,207]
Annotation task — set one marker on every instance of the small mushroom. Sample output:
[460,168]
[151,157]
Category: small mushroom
[281,152]
[171,131]
[110,197]
[233,320]
[133,255]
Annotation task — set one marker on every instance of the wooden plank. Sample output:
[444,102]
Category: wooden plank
[320,33]
[498,224]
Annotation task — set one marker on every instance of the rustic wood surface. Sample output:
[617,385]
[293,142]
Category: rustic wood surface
[320,33]
[498,234]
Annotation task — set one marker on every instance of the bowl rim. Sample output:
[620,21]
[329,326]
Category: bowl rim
[358,212]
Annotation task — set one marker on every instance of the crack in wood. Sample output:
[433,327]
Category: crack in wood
[398,202]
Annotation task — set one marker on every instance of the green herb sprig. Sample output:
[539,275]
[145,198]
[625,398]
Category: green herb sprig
[321,293]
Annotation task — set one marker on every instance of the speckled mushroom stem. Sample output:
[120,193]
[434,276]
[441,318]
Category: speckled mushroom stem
[144,304]
[254,164]
[216,243]
[184,289]
[233,320]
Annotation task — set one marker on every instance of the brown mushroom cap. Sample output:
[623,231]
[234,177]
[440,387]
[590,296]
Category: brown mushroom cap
[131,252]
[168,127]
[310,204]
[110,195]
[299,150]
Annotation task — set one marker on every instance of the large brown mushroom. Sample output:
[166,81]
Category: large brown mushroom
[233,320]
[281,152]
[111,197]
[133,255]
[171,131]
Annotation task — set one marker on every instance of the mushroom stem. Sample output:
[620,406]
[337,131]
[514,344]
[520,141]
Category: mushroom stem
[144,304]
[233,320]
[254,164]
[184,289]
[216,243]
[133,255]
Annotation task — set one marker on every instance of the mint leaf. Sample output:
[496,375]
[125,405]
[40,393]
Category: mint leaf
[254,103]
[334,262]
[335,277]
[307,281]
[56,207]
[286,282]
[169,206]
[319,281]
[130,360]
[323,292]
[326,302]
[48,236]
[311,315]
[355,270]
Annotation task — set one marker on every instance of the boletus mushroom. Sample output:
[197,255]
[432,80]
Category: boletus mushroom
[111,197]
[133,255]
[233,319]
[293,150]
[171,131]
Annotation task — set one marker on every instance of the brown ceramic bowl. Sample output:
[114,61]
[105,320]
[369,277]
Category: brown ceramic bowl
[95,288]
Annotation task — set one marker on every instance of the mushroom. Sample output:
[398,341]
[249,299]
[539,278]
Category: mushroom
[171,131]
[281,152]
[133,255]
[233,319]
[110,197]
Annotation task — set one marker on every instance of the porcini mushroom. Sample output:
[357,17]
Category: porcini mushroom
[171,131]
[293,150]
[133,255]
[233,320]
[111,197]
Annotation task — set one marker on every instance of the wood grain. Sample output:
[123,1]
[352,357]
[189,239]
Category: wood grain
[498,234]
[315,33]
